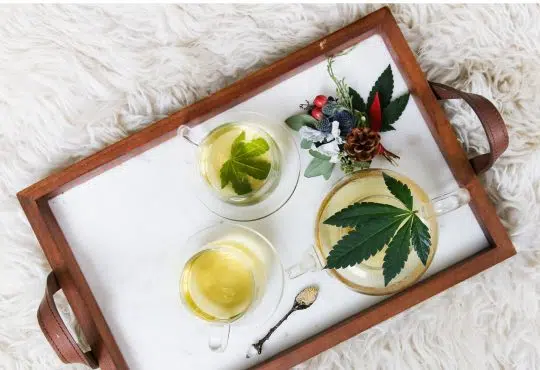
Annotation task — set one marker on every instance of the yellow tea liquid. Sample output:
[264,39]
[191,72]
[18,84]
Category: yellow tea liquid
[369,186]
[215,150]
[218,284]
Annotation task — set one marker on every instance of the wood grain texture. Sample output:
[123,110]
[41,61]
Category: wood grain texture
[34,199]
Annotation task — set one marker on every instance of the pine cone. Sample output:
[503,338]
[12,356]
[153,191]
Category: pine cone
[362,144]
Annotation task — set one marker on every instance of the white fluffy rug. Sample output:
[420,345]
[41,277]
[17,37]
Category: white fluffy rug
[74,79]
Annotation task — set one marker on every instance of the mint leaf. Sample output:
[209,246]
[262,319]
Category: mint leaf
[363,243]
[297,121]
[357,101]
[319,167]
[305,144]
[393,111]
[243,163]
[399,190]
[420,240]
[385,87]
[357,214]
[397,252]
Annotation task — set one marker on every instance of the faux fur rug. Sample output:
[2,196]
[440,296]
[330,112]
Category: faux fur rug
[74,79]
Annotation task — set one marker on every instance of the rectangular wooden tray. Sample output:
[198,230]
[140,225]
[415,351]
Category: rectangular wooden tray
[129,172]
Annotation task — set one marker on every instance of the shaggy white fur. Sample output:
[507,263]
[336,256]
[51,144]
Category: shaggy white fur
[74,79]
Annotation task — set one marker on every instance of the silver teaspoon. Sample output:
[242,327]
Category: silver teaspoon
[303,300]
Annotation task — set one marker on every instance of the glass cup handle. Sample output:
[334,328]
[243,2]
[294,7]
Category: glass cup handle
[308,262]
[219,337]
[451,201]
[186,133]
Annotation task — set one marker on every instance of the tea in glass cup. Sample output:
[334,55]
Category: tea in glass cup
[368,186]
[231,274]
[240,162]
[218,285]
[246,166]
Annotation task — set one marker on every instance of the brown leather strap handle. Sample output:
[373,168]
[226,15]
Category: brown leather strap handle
[489,117]
[56,331]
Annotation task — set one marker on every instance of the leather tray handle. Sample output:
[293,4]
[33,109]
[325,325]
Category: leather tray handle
[490,119]
[56,331]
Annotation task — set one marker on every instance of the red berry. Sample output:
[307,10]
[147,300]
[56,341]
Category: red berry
[320,101]
[317,113]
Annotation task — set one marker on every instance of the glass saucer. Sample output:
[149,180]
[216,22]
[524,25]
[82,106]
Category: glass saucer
[276,191]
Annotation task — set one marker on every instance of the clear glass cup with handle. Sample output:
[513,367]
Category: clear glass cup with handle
[230,275]
[368,186]
[210,146]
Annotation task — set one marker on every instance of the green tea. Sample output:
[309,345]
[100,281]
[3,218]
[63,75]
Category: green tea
[215,151]
[368,186]
[218,283]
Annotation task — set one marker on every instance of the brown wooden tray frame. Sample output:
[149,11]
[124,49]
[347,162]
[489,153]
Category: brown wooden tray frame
[34,199]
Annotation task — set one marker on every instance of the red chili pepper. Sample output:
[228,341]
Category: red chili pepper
[375,114]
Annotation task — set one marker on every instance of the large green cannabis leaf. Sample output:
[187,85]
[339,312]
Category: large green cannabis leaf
[378,225]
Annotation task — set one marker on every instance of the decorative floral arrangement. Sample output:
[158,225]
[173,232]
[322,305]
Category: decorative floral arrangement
[345,128]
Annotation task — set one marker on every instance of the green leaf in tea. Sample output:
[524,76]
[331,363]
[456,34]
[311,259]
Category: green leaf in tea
[244,162]
[378,225]
[358,214]
[297,121]
[358,246]
[420,239]
[399,190]
[397,252]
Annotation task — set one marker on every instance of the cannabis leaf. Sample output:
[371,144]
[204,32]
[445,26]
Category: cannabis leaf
[377,225]
[320,165]
[357,101]
[354,215]
[360,245]
[397,252]
[399,190]
[420,239]
[243,163]
[385,87]
[393,111]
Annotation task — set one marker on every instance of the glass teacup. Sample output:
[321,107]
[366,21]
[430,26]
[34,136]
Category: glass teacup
[369,186]
[230,274]
[246,166]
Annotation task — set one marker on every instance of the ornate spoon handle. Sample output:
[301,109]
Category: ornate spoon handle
[259,344]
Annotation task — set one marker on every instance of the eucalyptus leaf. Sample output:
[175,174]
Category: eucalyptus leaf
[297,121]
[319,167]
[305,144]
